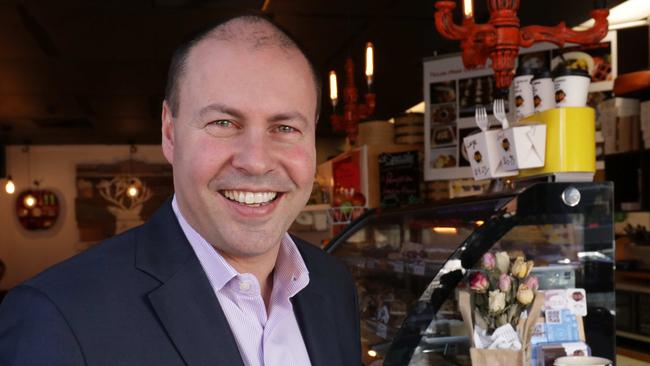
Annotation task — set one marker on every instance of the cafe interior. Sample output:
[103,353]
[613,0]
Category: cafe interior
[400,195]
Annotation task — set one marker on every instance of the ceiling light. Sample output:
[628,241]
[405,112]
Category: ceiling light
[625,15]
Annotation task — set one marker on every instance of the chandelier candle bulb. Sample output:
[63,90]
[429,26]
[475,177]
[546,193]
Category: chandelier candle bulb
[369,62]
[468,9]
[334,94]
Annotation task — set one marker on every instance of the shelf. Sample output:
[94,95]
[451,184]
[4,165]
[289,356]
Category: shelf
[632,84]
[641,356]
[319,207]
[635,336]
[637,275]
[631,287]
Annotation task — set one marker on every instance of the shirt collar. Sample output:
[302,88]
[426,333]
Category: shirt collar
[290,271]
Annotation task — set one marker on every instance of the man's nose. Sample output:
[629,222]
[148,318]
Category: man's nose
[254,153]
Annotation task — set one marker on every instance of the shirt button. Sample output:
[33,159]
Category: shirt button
[244,286]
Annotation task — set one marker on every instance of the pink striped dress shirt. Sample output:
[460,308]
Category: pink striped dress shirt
[264,339]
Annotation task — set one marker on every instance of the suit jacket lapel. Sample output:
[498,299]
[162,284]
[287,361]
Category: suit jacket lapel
[313,312]
[317,327]
[191,314]
[185,302]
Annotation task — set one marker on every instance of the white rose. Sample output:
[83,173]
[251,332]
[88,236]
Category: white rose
[503,261]
[497,301]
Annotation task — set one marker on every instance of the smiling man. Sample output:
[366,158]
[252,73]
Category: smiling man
[212,278]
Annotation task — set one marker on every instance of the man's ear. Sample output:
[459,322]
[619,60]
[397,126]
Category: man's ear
[167,130]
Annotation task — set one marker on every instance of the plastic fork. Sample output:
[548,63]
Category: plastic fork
[500,113]
[481,116]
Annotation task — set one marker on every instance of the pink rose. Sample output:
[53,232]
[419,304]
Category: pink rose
[478,282]
[489,261]
[505,282]
[532,282]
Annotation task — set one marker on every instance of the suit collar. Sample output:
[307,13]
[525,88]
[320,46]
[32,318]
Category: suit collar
[162,249]
[185,302]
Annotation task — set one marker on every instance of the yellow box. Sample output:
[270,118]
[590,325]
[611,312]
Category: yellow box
[570,140]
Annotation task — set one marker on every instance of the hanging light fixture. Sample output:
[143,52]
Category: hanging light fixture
[29,200]
[500,38]
[132,190]
[353,111]
[10,187]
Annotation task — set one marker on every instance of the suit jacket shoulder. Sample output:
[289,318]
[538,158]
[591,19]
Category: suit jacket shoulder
[142,298]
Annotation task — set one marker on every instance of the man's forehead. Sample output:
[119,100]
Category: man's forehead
[261,37]
[255,32]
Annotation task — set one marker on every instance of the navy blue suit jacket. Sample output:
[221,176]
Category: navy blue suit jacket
[142,298]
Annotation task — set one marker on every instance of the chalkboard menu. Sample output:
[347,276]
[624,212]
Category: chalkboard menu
[399,178]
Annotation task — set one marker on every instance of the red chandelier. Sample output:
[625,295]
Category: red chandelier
[502,36]
[353,111]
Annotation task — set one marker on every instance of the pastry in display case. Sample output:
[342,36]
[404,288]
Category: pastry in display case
[410,264]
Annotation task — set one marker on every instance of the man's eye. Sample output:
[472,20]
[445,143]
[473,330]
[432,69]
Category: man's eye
[221,123]
[286,129]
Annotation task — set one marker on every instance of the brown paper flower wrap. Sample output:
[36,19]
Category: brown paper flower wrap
[499,294]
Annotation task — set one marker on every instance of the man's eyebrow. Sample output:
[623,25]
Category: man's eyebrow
[234,112]
[293,115]
[220,108]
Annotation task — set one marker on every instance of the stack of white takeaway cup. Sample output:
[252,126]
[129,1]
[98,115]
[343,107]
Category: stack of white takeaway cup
[522,146]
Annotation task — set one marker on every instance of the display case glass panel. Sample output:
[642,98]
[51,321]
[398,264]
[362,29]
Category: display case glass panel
[410,263]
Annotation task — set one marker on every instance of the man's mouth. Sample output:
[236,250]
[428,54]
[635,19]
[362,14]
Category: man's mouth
[251,199]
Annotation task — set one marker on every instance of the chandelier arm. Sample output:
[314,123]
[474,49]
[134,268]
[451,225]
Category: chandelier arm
[445,21]
[560,34]
[592,35]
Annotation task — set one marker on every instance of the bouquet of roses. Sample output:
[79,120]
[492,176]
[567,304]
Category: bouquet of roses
[501,290]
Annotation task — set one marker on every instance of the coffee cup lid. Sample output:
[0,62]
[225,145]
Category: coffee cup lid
[542,74]
[522,70]
[565,71]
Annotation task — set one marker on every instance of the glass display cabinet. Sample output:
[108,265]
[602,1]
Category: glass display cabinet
[409,264]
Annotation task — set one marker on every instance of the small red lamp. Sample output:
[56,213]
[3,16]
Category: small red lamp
[353,111]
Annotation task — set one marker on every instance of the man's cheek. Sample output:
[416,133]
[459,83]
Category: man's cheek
[302,161]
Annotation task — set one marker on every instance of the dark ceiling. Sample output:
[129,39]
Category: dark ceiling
[93,71]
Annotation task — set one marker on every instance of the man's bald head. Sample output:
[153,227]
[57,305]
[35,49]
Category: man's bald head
[254,31]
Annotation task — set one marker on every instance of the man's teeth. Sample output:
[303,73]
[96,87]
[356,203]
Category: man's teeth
[250,198]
